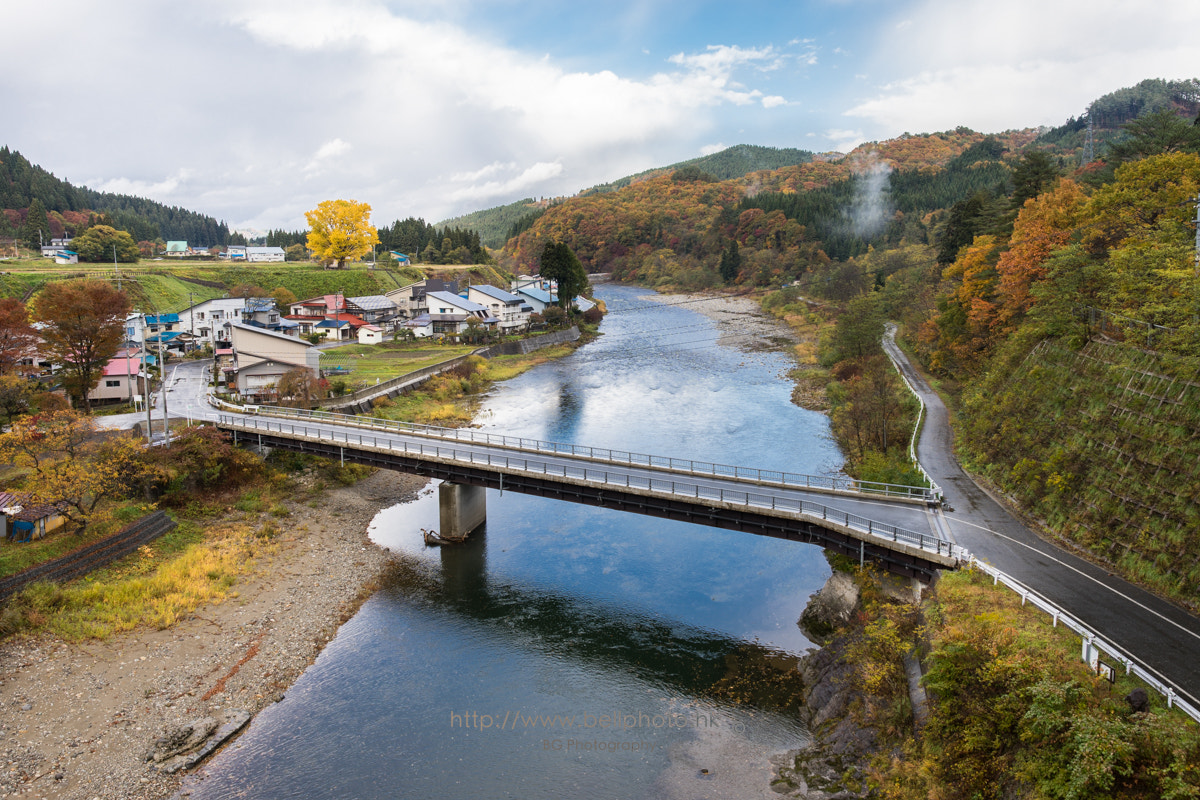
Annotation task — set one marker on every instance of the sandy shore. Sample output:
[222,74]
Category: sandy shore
[77,719]
[740,320]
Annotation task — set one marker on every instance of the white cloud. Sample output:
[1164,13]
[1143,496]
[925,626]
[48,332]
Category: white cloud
[163,188]
[720,60]
[997,66]
[843,141]
[772,101]
[533,176]
[484,172]
[709,149]
[326,152]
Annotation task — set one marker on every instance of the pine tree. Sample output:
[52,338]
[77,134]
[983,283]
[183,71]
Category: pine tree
[36,230]
[731,262]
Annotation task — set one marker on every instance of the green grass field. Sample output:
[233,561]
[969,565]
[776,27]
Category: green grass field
[369,363]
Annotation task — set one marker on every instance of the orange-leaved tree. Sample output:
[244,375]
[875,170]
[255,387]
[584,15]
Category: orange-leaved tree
[1044,225]
[84,324]
[17,337]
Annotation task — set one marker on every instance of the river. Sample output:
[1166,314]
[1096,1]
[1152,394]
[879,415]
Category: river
[570,651]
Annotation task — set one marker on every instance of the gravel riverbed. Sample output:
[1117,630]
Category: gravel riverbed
[76,719]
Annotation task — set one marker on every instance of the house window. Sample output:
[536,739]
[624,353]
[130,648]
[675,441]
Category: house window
[112,384]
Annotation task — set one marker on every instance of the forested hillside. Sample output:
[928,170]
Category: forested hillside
[70,209]
[495,225]
[1046,277]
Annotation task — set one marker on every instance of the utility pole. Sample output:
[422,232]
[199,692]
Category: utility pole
[146,384]
[1196,268]
[162,366]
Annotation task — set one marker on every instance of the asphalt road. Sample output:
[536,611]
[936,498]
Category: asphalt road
[1160,636]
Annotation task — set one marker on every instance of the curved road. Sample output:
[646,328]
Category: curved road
[1159,635]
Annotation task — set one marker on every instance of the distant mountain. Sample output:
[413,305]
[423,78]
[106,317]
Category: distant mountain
[69,207]
[496,226]
[732,162]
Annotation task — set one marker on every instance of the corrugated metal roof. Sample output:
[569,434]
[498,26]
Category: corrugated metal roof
[455,300]
[372,302]
[498,294]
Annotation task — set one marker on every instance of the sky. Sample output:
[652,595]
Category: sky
[254,111]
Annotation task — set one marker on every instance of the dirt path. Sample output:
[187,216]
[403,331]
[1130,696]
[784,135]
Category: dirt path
[77,719]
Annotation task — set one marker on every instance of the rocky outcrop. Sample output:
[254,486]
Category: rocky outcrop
[186,745]
[831,608]
[831,766]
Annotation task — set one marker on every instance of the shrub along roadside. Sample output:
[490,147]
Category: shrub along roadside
[1013,712]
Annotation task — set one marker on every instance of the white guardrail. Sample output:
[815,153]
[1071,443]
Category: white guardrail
[912,440]
[880,531]
[1093,645]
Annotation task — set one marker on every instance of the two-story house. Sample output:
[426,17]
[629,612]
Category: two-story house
[512,311]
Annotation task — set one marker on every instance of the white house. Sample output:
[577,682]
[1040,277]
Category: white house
[209,320]
[535,298]
[512,311]
[450,313]
[262,357]
[265,254]
[370,334]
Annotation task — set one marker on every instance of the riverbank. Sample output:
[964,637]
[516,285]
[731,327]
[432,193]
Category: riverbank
[76,719]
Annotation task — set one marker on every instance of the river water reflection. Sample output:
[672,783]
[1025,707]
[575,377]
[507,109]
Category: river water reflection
[569,650]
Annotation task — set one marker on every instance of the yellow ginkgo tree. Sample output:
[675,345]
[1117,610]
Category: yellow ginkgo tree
[340,230]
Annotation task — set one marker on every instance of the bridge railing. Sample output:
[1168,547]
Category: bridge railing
[1091,640]
[881,531]
[787,479]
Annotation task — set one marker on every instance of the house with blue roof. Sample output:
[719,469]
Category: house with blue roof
[512,311]
[537,299]
[161,323]
[336,330]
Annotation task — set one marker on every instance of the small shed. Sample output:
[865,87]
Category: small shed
[25,521]
[370,334]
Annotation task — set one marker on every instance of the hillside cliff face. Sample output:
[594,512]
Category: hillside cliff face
[1103,443]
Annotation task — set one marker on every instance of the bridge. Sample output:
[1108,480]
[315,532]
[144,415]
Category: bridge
[885,523]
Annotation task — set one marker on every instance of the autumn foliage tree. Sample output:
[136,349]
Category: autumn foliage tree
[100,243]
[72,467]
[340,230]
[17,337]
[84,325]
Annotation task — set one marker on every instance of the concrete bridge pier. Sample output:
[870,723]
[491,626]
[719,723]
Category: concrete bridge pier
[462,509]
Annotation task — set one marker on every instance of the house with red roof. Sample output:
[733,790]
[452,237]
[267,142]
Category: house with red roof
[120,381]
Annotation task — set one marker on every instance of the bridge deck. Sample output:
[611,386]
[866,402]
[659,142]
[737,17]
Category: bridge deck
[770,508]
